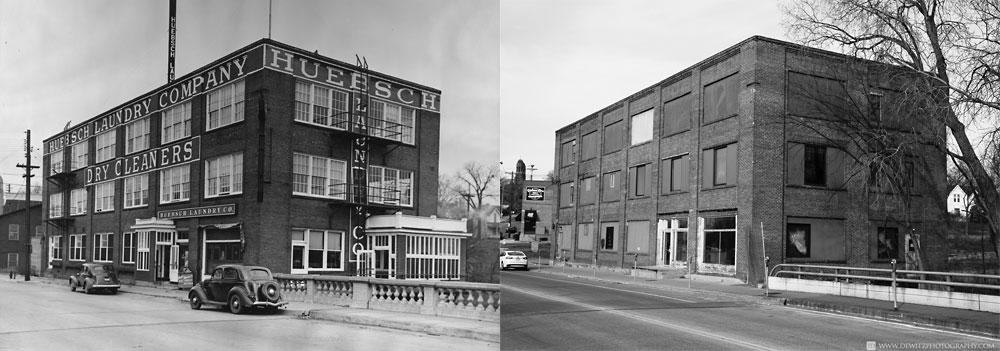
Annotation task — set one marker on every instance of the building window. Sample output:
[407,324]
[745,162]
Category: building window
[13,232]
[720,241]
[887,243]
[677,115]
[80,153]
[719,166]
[639,181]
[568,150]
[136,190]
[56,205]
[106,146]
[588,191]
[128,249]
[585,241]
[77,245]
[320,105]
[613,137]
[137,136]
[721,99]
[428,257]
[56,163]
[175,184]
[103,246]
[588,146]
[609,236]
[325,249]
[642,127]
[674,173]
[799,240]
[55,247]
[12,260]
[224,175]
[814,165]
[815,239]
[566,194]
[392,121]
[225,105]
[78,201]
[611,187]
[637,237]
[176,123]
[386,185]
[142,252]
[319,176]
[104,197]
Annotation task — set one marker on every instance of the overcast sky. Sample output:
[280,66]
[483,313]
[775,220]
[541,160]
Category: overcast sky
[511,72]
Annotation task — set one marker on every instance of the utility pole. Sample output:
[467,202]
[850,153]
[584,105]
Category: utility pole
[27,199]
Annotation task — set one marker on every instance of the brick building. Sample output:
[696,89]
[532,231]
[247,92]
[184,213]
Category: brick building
[271,155]
[746,155]
[16,239]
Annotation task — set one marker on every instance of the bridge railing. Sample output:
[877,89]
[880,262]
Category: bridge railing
[983,283]
[438,298]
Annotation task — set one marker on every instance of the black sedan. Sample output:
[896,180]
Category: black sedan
[239,287]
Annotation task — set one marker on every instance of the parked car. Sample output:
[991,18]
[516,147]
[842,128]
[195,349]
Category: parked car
[510,259]
[240,288]
[95,276]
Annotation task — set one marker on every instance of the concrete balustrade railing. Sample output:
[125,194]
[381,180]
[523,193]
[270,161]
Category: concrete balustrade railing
[437,298]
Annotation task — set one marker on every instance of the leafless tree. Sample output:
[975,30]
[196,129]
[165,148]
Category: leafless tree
[953,44]
[450,205]
[476,183]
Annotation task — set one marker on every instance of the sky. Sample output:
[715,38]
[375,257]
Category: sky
[511,72]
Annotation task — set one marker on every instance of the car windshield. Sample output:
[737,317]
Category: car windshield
[259,274]
[103,269]
[515,253]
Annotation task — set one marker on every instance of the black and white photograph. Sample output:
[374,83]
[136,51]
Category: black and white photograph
[499,175]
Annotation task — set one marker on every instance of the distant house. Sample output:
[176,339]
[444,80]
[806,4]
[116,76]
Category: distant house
[960,201]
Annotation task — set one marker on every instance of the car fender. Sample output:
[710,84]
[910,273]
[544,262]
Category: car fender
[73,281]
[198,290]
[242,293]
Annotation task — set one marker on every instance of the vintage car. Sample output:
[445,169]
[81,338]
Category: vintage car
[95,276]
[509,259]
[239,287]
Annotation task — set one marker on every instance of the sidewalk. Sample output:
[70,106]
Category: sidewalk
[966,321]
[434,325]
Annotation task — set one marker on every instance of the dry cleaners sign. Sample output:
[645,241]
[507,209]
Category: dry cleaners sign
[151,160]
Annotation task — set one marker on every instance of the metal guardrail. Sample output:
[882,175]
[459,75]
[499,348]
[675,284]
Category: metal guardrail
[883,274]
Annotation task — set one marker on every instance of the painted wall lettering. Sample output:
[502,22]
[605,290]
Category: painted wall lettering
[146,161]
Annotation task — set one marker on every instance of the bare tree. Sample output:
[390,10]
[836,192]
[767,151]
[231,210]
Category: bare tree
[450,205]
[954,45]
[476,183]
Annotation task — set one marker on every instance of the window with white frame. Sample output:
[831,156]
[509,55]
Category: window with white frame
[319,176]
[320,105]
[433,257]
[13,232]
[79,157]
[225,105]
[78,201]
[105,146]
[392,121]
[176,123]
[316,249]
[142,252]
[55,247]
[136,190]
[55,205]
[175,184]
[103,246]
[224,175]
[56,164]
[104,197]
[128,249]
[388,185]
[77,245]
[137,136]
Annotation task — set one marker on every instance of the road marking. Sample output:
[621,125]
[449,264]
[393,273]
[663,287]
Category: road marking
[615,289]
[896,323]
[709,335]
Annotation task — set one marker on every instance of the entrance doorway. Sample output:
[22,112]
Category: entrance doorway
[672,235]
[166,258]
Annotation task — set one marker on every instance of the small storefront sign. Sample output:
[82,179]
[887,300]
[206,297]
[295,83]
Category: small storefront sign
[207,211]
[535,193]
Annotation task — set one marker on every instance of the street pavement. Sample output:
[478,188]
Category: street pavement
[432,325]
[942,318]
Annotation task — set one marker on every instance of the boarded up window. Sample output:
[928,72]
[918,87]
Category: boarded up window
[613,137]
[815,166]
[721,99]
[585,236]
[566,194]
[588,146]
[611,186]
[588,191]
[815,239]
[568,153]
[677,115]
[813,96]
[638,237]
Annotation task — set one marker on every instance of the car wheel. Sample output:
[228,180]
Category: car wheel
[195,301]
[235,304]
[87,289]
[72,286]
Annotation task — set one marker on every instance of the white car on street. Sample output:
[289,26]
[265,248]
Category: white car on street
[513,259]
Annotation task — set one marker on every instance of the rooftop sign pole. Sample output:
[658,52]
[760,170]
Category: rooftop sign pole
[172,40]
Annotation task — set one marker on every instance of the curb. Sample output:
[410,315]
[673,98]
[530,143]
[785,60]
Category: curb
[400,325]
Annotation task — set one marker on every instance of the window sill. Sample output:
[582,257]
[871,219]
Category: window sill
[136,207]
[227,195]
[678,192]
[719,120]
[207,129]
[176,202]
[103,211]
[644,142]
[815,187]
[719,187]
[676,133]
